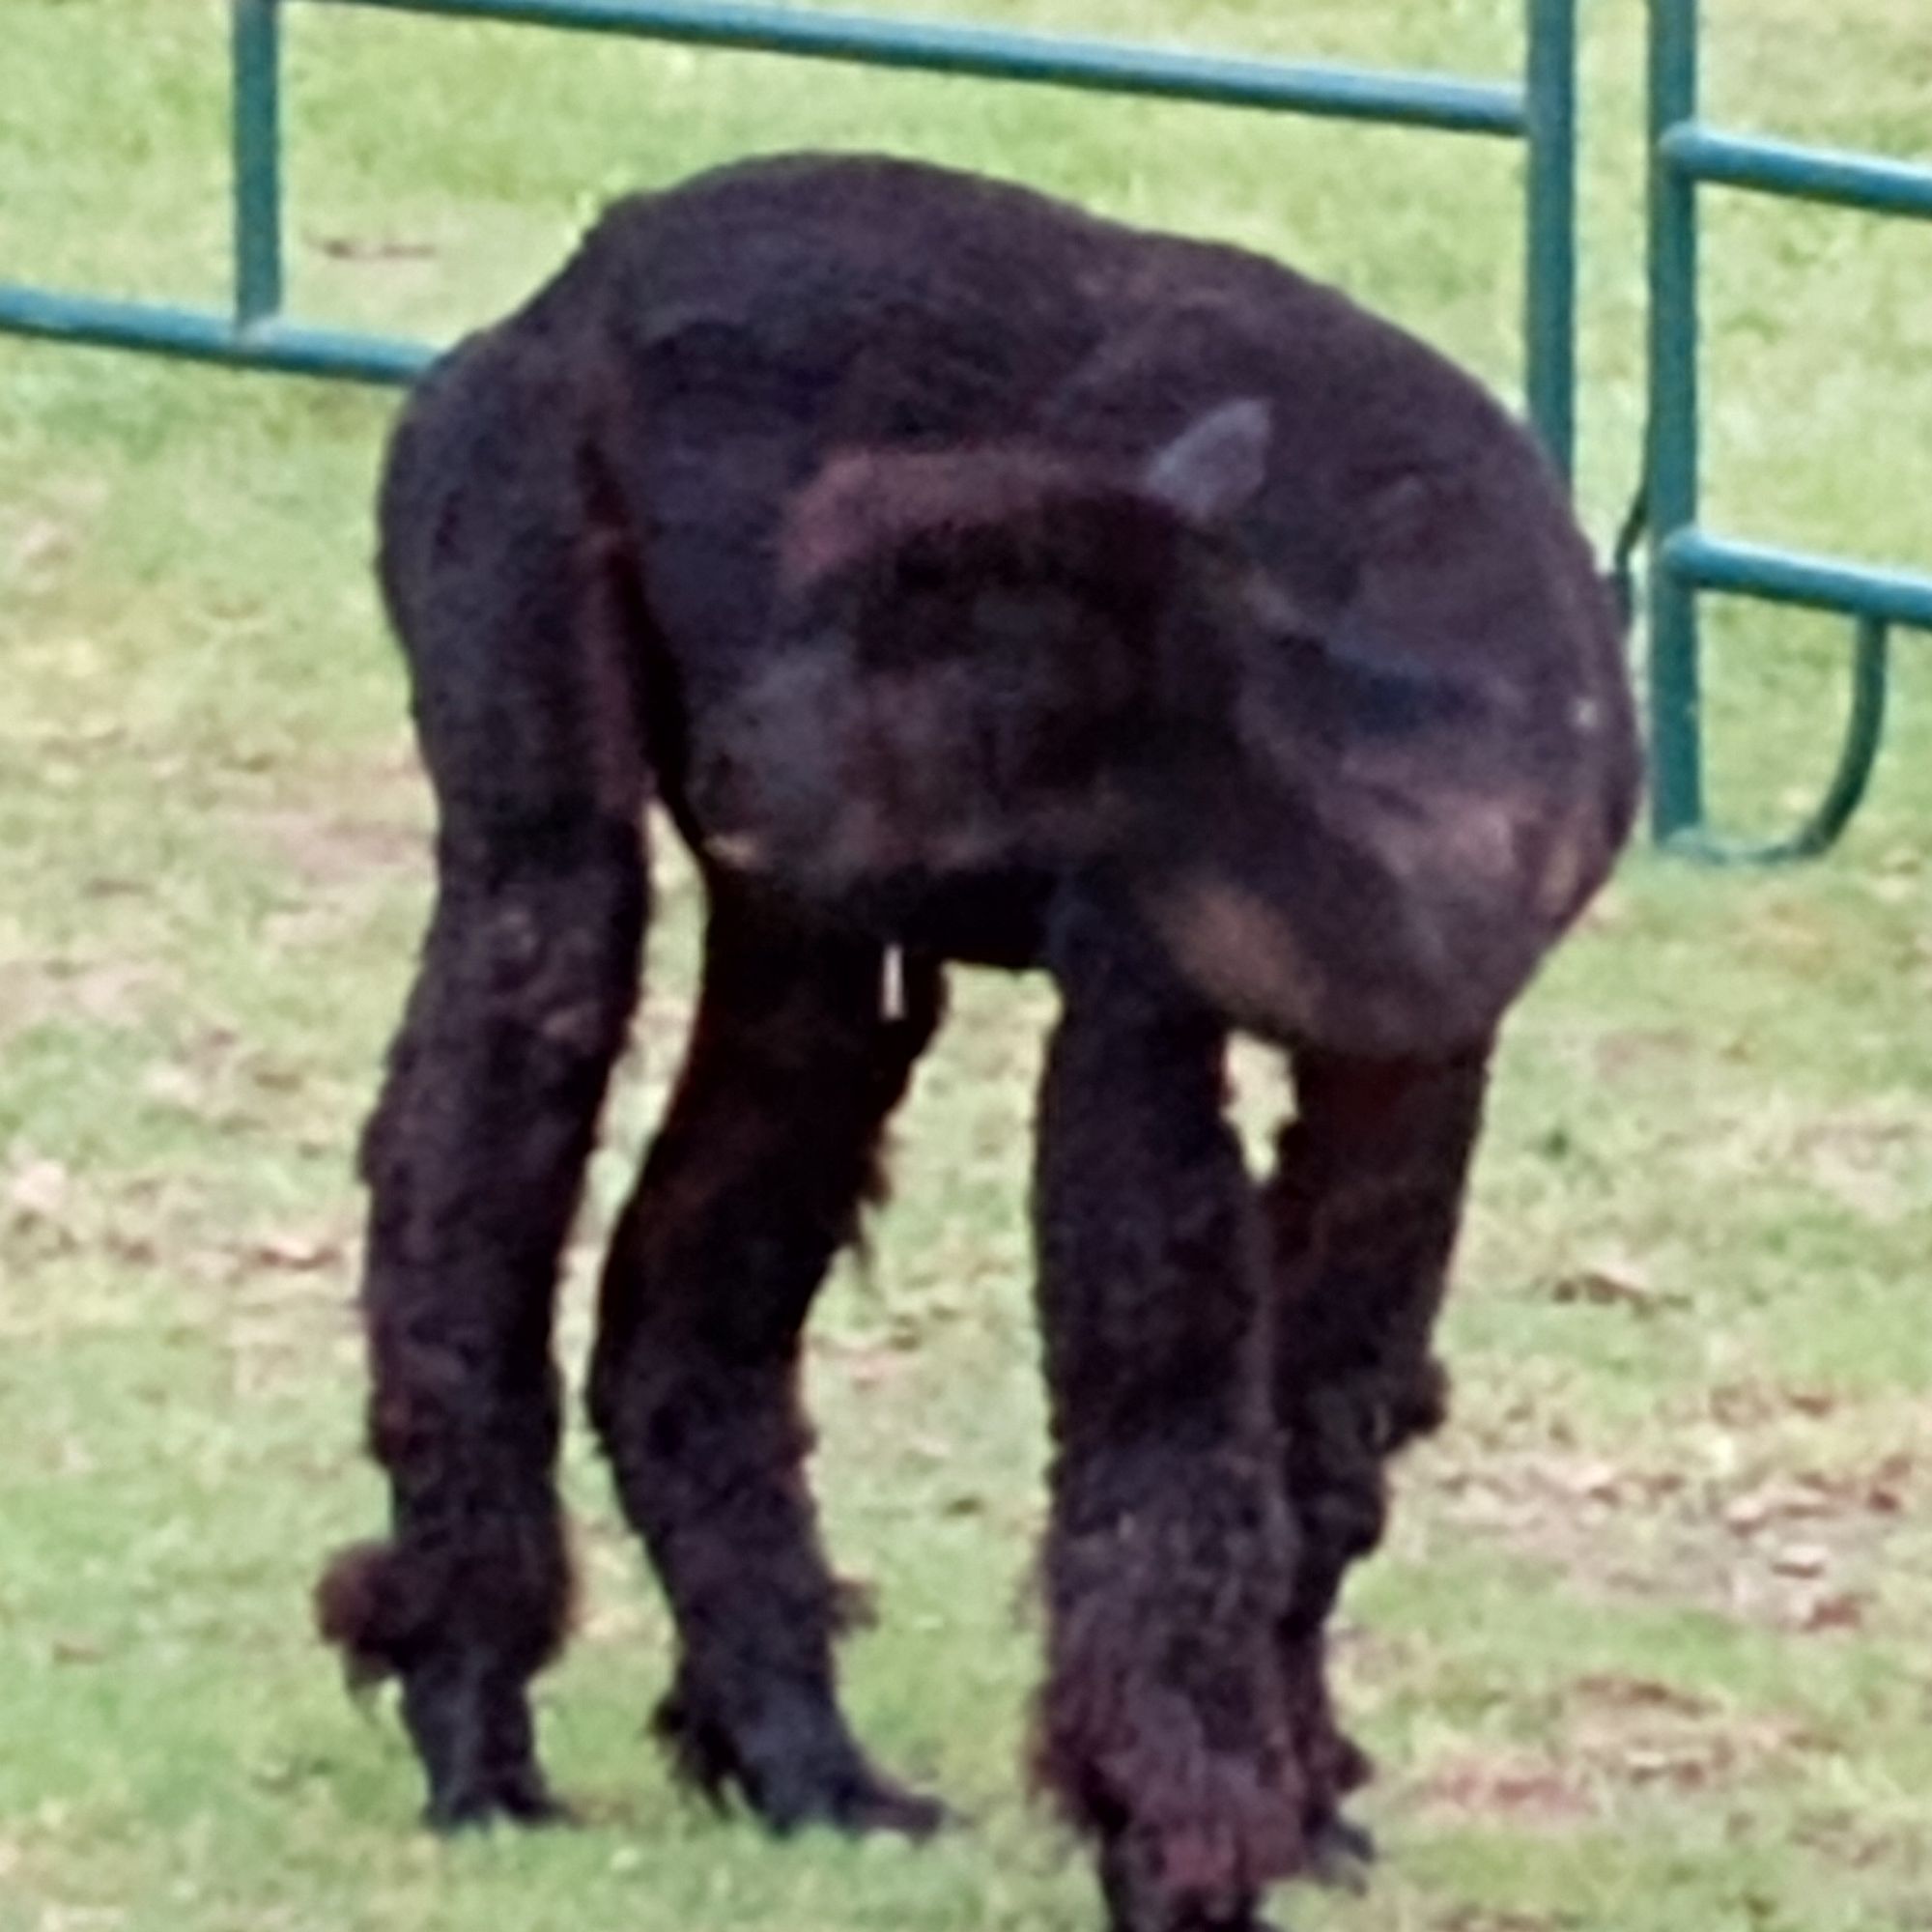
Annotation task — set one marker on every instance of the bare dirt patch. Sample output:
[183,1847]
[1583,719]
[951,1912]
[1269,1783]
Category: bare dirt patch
[1526,1790]
[59,990]
[1783,1514]
[327,848]
[1621,1735]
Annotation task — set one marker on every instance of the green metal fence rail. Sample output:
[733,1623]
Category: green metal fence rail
[1539,112]
[1687,559]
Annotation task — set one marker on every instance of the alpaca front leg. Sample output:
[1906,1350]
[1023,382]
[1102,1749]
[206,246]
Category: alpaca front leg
[1363,1211]
[1169,1554]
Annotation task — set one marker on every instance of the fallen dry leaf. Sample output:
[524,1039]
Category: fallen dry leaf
[1620,1284]
[358,248]
[41,540]
[1600,1482]
[1750,1404]
[1686,1766]
[1622,1693]
[1481,1919]
[1836,1610]
[1528,1790]
[1801,1500]
[175,1087]
[298,1254]
[38,1189]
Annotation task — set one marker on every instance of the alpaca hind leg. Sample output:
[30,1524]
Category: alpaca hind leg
[518,656]
[473,1161]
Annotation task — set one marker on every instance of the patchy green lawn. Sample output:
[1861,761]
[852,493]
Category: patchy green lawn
[1649,1650]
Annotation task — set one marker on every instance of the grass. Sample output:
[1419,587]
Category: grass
[1647,1651]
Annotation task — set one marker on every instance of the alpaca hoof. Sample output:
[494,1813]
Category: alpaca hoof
[797,1768]
[876,1804]
[1341,1854]
[1243,1920]
[848,1797]
[521,1798]
[1137,1901]
[541,1812]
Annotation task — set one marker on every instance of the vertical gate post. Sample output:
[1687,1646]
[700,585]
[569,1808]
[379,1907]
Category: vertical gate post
[1677,776]
[255,28]
[1550,279]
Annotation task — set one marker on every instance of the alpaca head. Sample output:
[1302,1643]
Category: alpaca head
[1005,657]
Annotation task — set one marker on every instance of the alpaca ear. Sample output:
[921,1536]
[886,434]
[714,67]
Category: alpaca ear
[1217,465]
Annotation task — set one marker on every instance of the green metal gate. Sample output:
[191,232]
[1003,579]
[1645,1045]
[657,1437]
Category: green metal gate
[1539,111]
[1686,558]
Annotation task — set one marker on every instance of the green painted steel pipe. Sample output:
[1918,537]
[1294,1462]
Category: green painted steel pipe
[1410,100]
[1804,174]
[1684,559]
[1857,756]
[1676,757]
[256,133]
[1542,112]
[1704,562]
[1549,285]
[205,337]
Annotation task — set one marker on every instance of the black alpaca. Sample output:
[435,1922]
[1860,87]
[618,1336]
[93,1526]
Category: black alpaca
[969,579]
